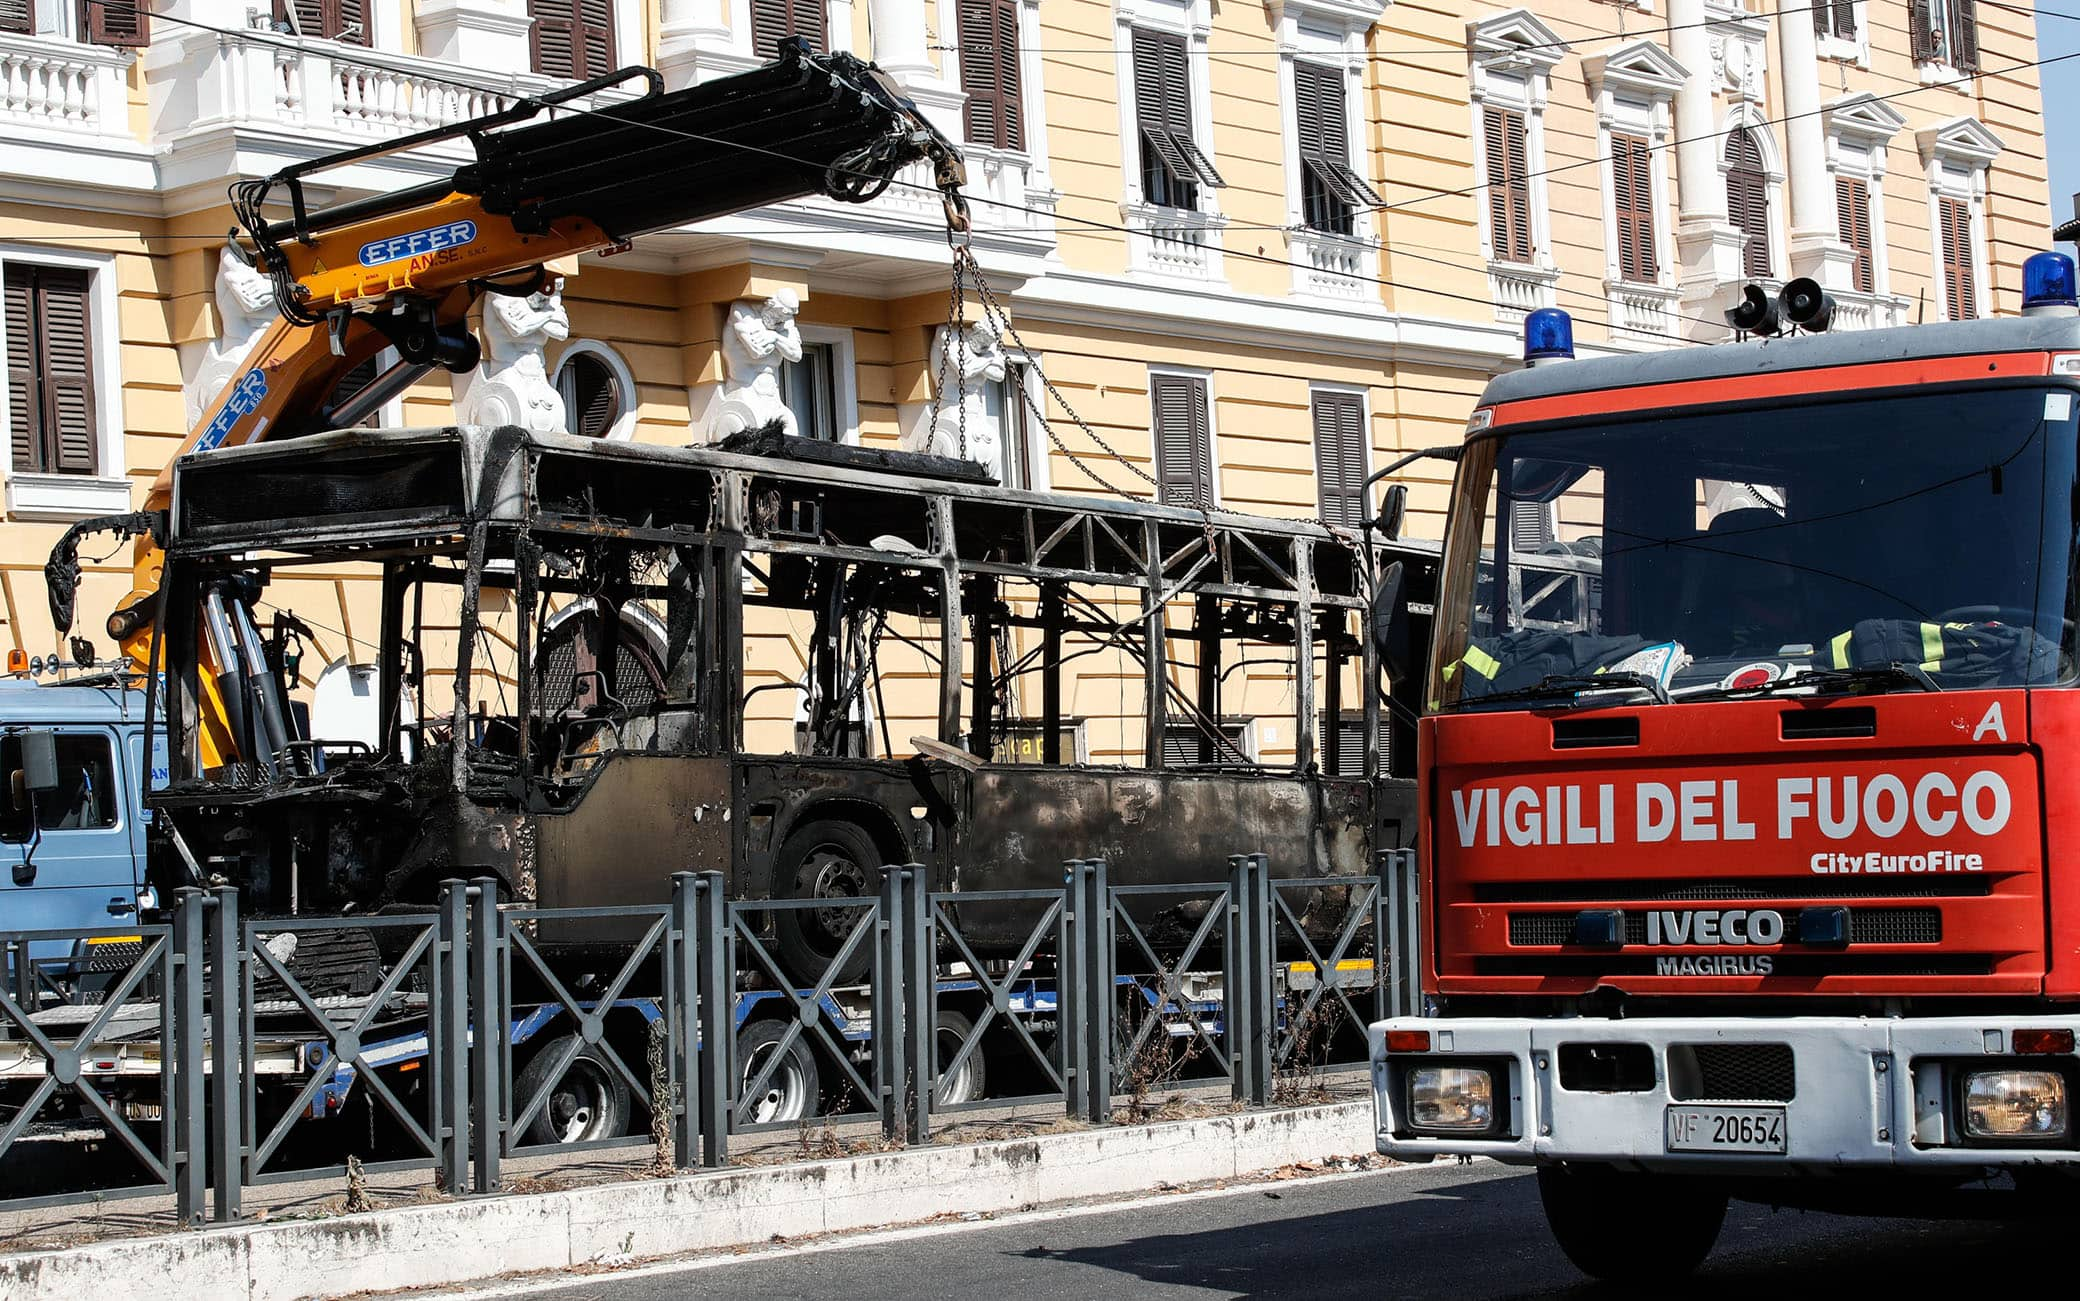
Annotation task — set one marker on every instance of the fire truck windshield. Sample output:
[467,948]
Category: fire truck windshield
[1916,540]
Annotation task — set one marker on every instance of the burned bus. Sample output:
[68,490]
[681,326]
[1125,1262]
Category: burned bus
[600,663]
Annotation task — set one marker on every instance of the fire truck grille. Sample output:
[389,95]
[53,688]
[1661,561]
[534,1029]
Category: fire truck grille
[1866,926]
[1732,1073]
[1794,887]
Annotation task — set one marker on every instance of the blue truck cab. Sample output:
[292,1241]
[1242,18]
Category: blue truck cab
[73,843]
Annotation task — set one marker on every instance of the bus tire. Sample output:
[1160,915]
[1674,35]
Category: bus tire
[972,1084]
[833,859]
[793,1091]
[589,1102]
[1631,1228]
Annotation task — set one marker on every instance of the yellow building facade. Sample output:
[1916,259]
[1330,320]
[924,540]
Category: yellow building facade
[1257,248]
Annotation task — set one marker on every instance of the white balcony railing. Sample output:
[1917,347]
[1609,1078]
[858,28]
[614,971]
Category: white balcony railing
[1327,265]
[60,86]
[1519,288]
[1858,311]
[1174,241]
[324,85]
[1642,314]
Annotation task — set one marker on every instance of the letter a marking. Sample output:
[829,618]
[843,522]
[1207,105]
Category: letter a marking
[1993,723]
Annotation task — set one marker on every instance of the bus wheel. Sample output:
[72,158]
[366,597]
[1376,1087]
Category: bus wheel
[587,1103]
[969,1083]
[791,1092]
[825,860]
[1631,1228]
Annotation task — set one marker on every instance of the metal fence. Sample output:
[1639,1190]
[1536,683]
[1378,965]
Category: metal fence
[197,1048]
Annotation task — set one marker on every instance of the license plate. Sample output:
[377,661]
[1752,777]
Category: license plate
[1726,1129]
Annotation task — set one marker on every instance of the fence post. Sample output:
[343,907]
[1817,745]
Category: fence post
[921,987]
[487,1036]
[717,1011]
[1382,974]
[448,1038]
[682,986]
[1249,1005]
[1092,898]
[227,1058]
[185,1108]
[889,1003]
[1397,869]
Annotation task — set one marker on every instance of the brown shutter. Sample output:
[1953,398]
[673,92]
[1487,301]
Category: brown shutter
[1964,35]
[1852,202]
[1509,184]
[1747,199]
[773,20]
[989,73]
[1921,29]
[1183,439]
[1820,12]
[1632,189]
[595,37]
[349,22]
[1844,18]
[1959,290]
[125,23]
[17,16]
[1339,458]
[23,406]
[68,368]
[554,37]
[329,20]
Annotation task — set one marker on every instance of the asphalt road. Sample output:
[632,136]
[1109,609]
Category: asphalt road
[1459,1232]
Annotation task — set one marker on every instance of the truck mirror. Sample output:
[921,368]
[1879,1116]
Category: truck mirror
[1393,632]
[1393,511]
[39,771]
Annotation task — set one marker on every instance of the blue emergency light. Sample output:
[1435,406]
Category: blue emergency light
[1549,336]
[2047,281]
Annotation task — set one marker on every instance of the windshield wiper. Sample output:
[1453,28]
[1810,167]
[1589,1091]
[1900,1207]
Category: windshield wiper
[1831,682]
[1575,685]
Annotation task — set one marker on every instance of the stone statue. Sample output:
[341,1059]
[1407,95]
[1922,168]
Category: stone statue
[512,385]
[759,339]
[968,366]
[245,308]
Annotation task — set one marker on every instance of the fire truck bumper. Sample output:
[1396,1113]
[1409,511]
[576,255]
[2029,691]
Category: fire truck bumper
[1742,1096]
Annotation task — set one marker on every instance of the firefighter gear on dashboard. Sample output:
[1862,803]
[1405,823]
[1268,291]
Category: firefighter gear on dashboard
[1964,655]
[1528,656]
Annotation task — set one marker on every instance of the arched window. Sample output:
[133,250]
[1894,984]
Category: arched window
[593,400]
[1747,199]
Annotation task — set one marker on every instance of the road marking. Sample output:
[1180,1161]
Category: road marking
[905,1233]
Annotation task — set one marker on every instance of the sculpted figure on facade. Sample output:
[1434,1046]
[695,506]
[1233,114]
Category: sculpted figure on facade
[245,308]
[512,385]
[758,340]
[969,366]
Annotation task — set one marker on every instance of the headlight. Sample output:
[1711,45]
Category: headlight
[1452,1097]
[2015,1104]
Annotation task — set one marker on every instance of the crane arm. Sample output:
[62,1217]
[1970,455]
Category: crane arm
[402,270]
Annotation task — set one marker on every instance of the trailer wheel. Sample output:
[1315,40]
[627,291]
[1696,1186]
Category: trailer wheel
[588,1103]
[970,1083]
[792,1091]
[827,859]
[1631,1228]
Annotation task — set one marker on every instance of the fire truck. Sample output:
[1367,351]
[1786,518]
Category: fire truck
[1749,858]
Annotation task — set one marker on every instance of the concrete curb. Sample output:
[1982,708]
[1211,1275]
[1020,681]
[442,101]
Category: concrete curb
[466,1241]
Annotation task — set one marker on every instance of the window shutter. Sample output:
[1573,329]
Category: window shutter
[595,38]
[1163,108]
[329,20]
[1964,35]
[17,16]
[1183,438]
[1821,9]
[1852,202]
[1921,29]
[23,405]
[989,73]
[773,20]
[1632,191]
[592,400]
[1339,458]
[1959,290]
[1323,127]
[68,368]
[1509,185]
[350,16]
[554,36]
[125,23]
[1844,18]
[1747,199]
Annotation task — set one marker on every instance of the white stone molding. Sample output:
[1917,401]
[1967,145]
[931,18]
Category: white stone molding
[1634,88]
[759,338]
[1860,129]
[1957,153]
[245,308]
[1513,56]
[107,491]
[512,386]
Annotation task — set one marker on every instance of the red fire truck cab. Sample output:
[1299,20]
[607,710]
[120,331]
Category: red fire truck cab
[1750,854]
